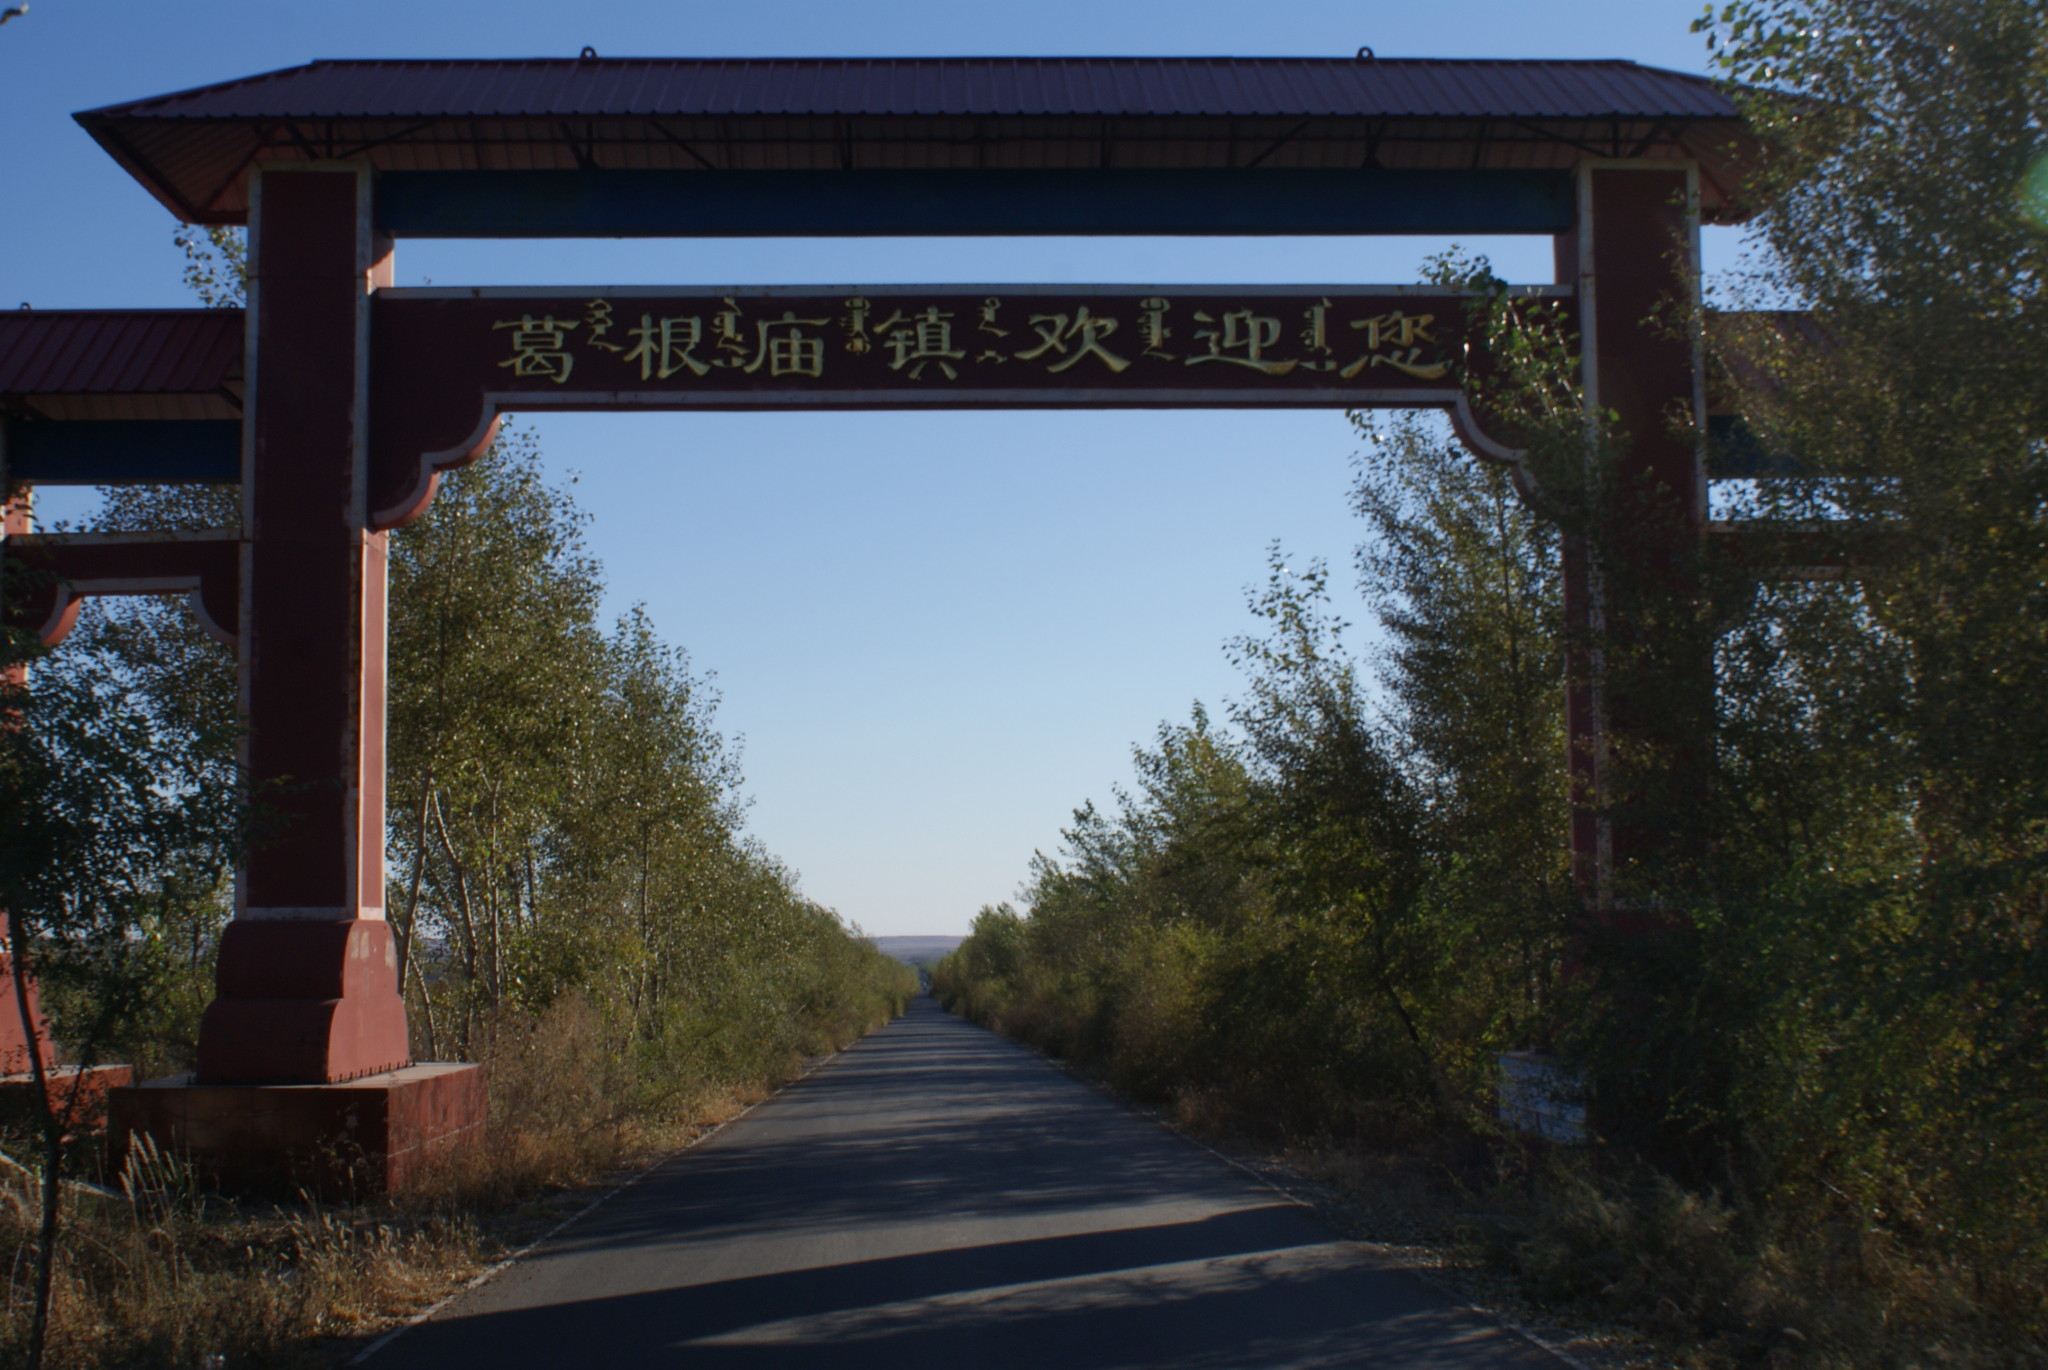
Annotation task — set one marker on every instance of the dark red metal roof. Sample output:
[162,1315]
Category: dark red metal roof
[126,363]
[193,148]
[1000,86]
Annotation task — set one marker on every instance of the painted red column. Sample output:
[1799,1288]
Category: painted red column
[78,1095]
[307,985]
[1640,686]
[16,1043]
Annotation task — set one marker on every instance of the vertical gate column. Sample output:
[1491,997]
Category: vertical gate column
[1640,687]
[17,1041]
[307,978]
[304,1073]
[76,1094]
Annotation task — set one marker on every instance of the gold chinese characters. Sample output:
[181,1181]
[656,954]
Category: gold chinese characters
[940,342]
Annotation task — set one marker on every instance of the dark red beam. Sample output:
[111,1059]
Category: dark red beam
[62,568]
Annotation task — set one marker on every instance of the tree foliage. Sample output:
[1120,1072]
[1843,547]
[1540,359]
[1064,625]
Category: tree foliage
[1344,904]
[1875,956]
[1819,1076]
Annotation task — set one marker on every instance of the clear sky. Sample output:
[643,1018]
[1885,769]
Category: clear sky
[938,633]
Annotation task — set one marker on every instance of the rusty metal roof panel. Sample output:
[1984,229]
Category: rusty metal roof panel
[119,352]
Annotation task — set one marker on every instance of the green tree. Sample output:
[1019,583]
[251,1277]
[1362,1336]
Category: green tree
[1886,776]
[1464,579]
[495,670]
[105,824]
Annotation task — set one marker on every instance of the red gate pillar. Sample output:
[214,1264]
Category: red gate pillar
[304,1050]
[1640,687]
[307,982]
[16,1041]
[17,1044]
[77,1094]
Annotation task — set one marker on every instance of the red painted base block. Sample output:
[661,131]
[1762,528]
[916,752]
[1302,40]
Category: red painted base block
[13,1042]
[79,1096]
[367,1136]
[303,1002]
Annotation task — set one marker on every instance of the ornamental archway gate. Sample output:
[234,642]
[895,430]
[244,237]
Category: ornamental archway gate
[337,399]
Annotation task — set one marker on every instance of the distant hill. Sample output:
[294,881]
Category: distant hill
[912,951]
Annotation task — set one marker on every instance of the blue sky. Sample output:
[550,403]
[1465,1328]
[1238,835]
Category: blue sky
[938,633]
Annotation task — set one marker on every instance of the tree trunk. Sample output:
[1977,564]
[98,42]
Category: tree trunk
[469,963]
[1447,1101]
[404,931]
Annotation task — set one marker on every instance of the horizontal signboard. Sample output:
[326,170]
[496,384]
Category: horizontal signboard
[446,364]
[912,347]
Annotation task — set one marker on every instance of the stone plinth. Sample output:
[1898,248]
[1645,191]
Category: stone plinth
[15,1043]
[78,1094]
[366,1136]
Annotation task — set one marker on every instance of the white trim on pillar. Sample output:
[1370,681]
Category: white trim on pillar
[366,264]
[373,674]
[1588,287]
[252,381]
[1699,341]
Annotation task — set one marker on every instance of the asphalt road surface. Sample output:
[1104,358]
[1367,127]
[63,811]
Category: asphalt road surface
[940,1197]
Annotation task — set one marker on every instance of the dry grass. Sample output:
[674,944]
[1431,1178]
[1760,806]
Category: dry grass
[1724,1284]
[156,1274]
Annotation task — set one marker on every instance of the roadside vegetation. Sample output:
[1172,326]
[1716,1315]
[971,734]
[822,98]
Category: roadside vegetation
[576,899]
[1818,1091]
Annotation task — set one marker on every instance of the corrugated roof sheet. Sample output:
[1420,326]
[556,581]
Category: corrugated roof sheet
[193,148]
[1056,87]
[106,363]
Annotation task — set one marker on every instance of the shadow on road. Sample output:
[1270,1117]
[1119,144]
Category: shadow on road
[939,1197]
[1236,1290]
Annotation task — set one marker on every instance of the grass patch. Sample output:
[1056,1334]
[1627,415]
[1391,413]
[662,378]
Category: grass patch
[155,1273]
[1629,1268]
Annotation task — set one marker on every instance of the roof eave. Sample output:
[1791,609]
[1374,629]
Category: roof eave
[107,134]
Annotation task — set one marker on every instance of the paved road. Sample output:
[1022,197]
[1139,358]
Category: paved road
[939,1197]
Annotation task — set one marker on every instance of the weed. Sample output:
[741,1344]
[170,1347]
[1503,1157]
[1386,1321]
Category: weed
[155,1273]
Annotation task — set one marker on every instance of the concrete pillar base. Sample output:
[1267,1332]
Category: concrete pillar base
[368,1136]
